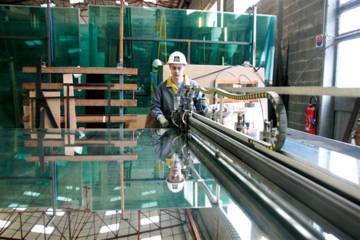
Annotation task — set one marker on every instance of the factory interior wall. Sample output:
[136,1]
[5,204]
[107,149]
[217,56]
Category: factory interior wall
[96,44]
[297,61]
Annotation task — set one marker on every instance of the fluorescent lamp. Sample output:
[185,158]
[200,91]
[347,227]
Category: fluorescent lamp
[149,204]
[58,213]
[4,224]
[112,212]
[31,194]
[150,220]
[42,229]
[157,237]
[75,1]
[45,5]
[109,228]
[64,199]
[114,199]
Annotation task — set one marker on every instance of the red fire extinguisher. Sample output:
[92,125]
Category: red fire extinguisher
[311,116]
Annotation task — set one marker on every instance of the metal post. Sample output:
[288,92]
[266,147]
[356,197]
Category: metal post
[14,92]
[196,194]
[69,223]
[21,227]
[221,109]
[222,13]
[188,51]
[254,37]
[121,32]
[218,190]
[138,221]
[49,35]
[351,122]
[121,52]
[53,191]
[122,189]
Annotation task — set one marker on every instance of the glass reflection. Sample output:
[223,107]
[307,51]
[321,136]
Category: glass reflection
[118,171]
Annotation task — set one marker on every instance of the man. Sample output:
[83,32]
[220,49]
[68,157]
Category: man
[168,95]
[156,64]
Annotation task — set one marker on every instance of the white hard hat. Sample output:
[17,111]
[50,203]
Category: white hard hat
[177,58]
[175,180]
[157,63]
[175,187]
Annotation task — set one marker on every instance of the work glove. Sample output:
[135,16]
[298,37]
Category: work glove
[163,121]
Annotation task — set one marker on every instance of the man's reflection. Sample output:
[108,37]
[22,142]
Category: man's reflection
[169,144]
[175,180]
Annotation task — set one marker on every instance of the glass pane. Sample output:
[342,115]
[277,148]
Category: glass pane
[23,42]
[105,171]
[349,20]
[145,24]
[347,65]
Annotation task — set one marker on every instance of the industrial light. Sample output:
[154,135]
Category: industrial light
[149,204]
[4,224]
[190,11]
[45,5]
[150,220]
[150,1]
[31,194]
[18,207]
[76,1]
[225,34]
[32,43]
[21,209]
[58,213]
[42,229]
[119,2]
[114,199]
[112,212]
[200,24]
[148,192]
[64,199]
[157,237]
[109,228]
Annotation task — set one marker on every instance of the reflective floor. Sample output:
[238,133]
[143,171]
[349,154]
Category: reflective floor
[335,158]
[124,172]
[102,171]
[109,172]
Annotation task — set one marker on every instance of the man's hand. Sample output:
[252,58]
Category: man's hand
[163,121]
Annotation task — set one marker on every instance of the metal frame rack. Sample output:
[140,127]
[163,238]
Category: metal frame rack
[38,98]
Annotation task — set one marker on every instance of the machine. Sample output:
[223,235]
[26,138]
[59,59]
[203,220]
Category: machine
[333,199]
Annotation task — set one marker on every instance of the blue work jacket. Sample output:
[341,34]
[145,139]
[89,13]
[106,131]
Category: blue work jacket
[165,100]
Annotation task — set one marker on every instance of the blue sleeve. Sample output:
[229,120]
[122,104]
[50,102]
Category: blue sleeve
[156,103]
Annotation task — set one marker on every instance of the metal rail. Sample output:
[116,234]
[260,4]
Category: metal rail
[342,210]
[277,104]
[303,91]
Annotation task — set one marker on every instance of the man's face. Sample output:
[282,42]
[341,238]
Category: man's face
[177,70]
[175,174]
